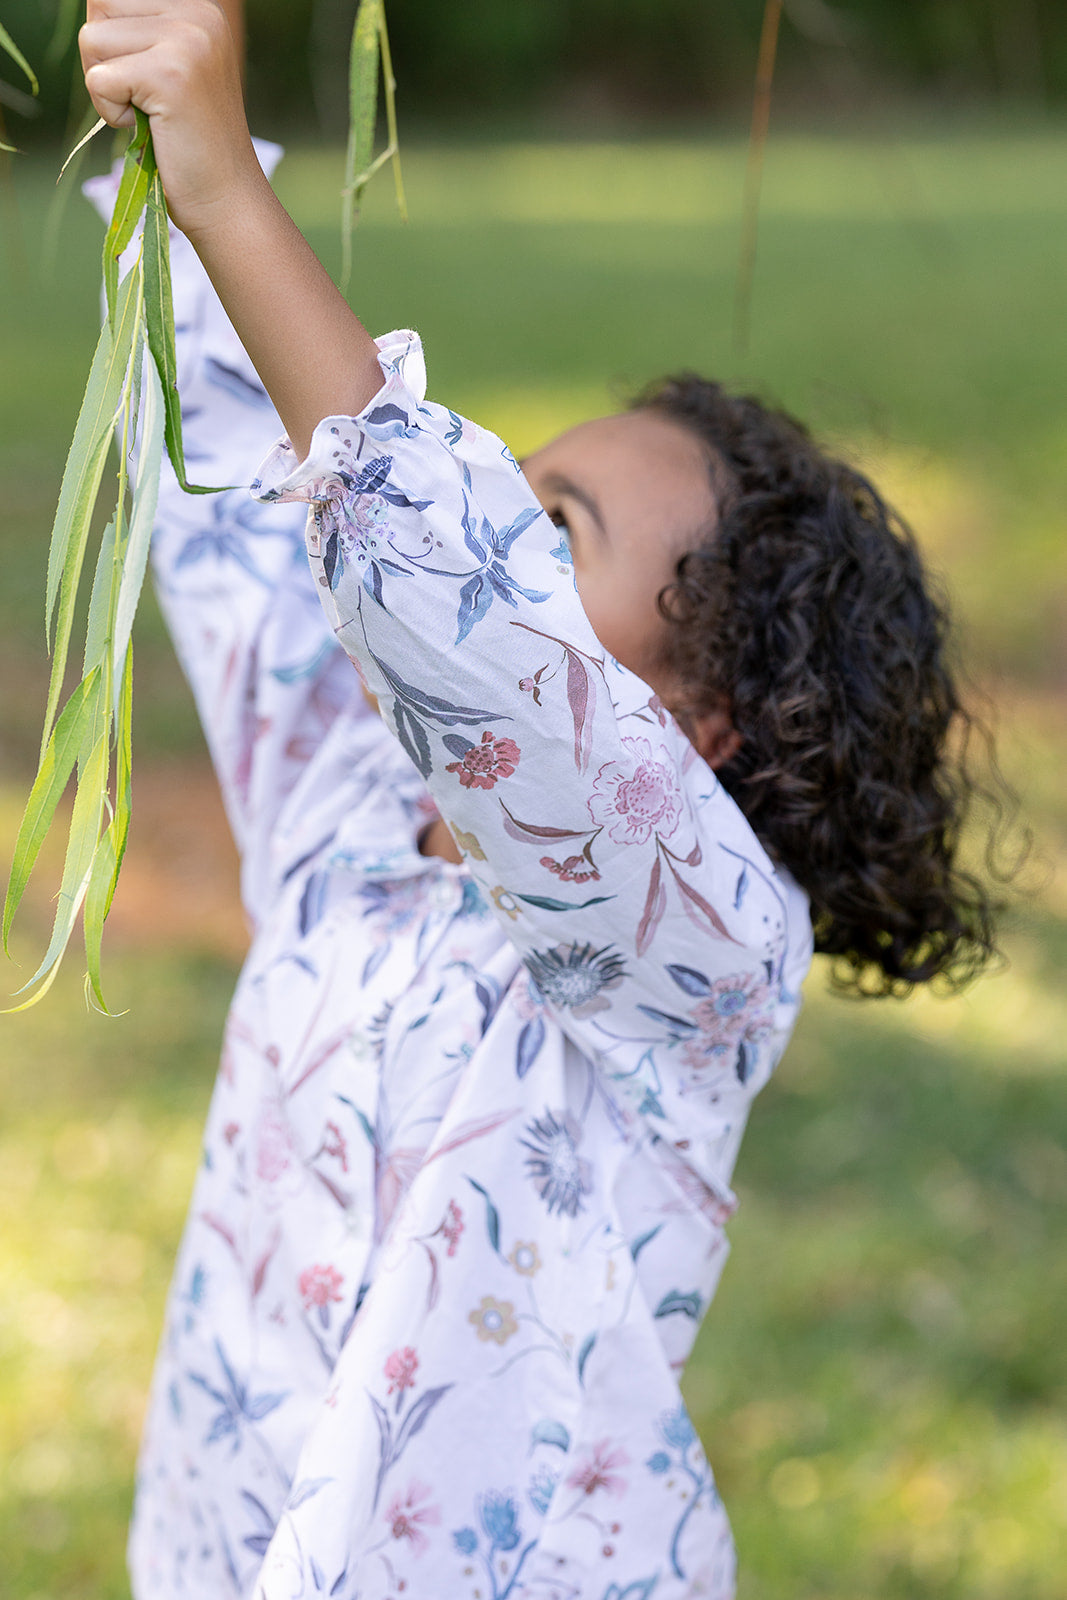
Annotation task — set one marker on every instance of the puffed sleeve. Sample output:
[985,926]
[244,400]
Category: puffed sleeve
[648,916]
[269,678]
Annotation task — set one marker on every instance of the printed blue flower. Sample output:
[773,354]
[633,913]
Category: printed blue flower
[660,1462]
[500,1519]
[560,1175]
[542,1488]
[465,1540]
[573,975]
[677,1428]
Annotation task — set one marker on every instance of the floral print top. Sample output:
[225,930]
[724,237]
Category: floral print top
[468,1160]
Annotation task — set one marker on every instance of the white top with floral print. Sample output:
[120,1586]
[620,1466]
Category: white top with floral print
[467,1163]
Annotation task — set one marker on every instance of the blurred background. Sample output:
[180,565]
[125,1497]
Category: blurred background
[881,1381]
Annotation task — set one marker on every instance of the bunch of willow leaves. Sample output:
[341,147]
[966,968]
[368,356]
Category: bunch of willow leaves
[132,392]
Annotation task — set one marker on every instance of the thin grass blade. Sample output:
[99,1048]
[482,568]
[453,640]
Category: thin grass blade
[62,751]
[138,170]
[7,43]
[81,481]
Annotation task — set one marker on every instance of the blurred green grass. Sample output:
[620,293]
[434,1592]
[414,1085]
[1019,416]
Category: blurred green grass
[882,1378]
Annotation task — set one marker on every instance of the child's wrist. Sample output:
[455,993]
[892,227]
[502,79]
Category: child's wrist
[246,194]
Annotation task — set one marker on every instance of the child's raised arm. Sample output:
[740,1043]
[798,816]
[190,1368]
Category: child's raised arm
[176,60]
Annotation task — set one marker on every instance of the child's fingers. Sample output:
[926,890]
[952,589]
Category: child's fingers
[108,53]
[111,90]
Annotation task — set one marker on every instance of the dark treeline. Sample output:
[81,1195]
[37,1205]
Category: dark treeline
[535,62]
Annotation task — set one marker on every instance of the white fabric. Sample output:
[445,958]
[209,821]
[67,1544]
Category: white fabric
[468,1159]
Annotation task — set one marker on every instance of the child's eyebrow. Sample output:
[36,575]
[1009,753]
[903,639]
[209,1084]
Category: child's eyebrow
[561,485]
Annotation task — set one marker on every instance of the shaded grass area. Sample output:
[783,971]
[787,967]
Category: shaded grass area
[882,1379]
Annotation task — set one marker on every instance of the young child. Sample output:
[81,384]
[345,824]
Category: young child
[530,916]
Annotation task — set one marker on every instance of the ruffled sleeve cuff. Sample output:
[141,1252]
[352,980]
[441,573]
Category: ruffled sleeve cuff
[393,413]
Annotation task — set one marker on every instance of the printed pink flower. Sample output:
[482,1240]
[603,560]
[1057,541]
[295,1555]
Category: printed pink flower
[735,1008]
[576,869]
[319,1286]
[334,1145]
[484,764]
[452,1226]
[599,1470]
[407,1516]
[632,798]
[274,1144]
[400,1369]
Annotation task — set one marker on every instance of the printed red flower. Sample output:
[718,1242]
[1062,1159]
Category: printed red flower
[334,1145]
[576,869]
[484,764]
[400,1369]
[407,1517]
[319,1285]
[452,1226]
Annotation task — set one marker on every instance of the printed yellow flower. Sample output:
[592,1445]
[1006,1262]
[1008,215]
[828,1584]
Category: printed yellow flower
[468,843]
[495,1320]
[505,901]
[526,1258]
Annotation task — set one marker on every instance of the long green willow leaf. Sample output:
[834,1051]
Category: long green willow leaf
[159,320]
[108,859]
[89,801]
[142,518]
[7,43]
[81,478]
[138,170]
[57,764]
[66,27]
[369,53]
[99,618]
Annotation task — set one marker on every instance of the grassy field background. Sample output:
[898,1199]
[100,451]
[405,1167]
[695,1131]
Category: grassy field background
[881,1381]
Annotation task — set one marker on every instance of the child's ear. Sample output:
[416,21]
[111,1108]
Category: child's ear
[713,735]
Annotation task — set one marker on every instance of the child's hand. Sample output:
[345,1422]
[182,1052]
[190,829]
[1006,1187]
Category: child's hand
[176,61]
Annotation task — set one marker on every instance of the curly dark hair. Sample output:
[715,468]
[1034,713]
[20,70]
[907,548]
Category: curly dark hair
[809,614]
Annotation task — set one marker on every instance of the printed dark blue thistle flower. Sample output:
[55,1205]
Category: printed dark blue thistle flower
[574,976]
[560,1175]
[500,1519]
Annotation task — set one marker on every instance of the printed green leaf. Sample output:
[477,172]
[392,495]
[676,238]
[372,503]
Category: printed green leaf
[138,170]
[159,320]
[7,43]
[81,480]
[57,764]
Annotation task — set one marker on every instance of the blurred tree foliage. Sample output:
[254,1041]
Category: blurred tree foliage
[584,61]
